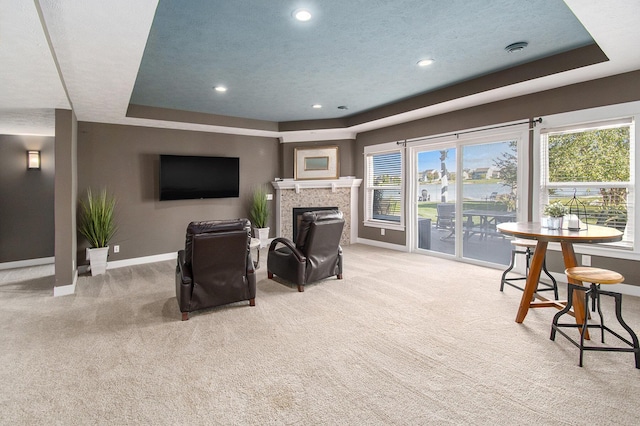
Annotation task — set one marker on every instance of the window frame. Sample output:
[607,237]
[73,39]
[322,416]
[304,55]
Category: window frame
[591,119]
[369,152]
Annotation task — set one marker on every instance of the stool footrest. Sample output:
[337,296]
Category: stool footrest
[596,348]
[553,286]
[594,292]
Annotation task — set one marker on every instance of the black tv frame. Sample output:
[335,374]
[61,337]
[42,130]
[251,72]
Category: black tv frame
[192,177]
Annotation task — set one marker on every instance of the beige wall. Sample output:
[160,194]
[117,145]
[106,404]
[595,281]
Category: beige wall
[125,160]
[607,91]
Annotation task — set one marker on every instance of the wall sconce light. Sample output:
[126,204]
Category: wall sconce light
[33,160]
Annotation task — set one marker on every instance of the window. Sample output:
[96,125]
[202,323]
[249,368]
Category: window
[384,200]
[594,162]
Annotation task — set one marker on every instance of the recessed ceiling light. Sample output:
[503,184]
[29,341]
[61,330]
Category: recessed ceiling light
[516,47]
[316,106]
[302,15]
[425,62]
[220,89]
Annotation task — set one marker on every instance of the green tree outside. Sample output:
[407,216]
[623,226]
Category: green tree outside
[600,155]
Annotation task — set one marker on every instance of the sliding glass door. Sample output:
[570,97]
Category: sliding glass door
[463,190]
[489,191]
[436,198]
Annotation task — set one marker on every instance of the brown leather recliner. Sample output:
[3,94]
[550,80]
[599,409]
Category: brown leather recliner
[316,254]
[215,268]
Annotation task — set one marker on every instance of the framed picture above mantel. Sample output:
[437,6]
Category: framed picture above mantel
[316,163]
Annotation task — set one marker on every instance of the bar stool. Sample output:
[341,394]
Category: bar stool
[596,277]
[527,247]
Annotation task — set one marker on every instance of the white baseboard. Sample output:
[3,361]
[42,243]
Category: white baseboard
[70,289]
[630,290]
[66,290]
[381,244]
[115,264]
[27,263]
[142,260]
[626,289]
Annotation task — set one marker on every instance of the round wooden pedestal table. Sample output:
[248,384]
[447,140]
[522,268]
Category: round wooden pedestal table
[534,231]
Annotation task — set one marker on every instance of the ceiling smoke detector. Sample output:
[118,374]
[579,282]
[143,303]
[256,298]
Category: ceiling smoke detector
[516,47]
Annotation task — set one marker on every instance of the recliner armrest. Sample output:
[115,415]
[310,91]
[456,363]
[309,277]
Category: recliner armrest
[251,269]
[184,268]
[290,245]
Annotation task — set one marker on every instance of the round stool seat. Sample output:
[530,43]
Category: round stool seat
[594,275]
[524,243]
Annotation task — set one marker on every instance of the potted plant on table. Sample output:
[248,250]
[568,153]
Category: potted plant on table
[556,212]
[259,215]
[97,225]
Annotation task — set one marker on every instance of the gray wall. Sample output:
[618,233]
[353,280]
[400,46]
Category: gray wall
[66,185]
[26,199]
[125,160]
[346,153]
[607,91]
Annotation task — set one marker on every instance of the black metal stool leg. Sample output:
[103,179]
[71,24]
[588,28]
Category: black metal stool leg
[553,280]
[595,296]
[528,253]
[511,266]
[593,300]
[584,323]
[556,317]
[634,338]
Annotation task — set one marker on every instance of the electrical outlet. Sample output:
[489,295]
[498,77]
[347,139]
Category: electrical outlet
[381,231]
[269,197]
[586,260]
[116,249]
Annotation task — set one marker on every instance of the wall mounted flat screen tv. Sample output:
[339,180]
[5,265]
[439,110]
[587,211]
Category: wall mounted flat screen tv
[184,177]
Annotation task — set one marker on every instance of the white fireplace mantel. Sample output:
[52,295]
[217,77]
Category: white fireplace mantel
[333,187]
[298,185]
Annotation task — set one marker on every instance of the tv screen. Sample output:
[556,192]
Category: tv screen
[184,177]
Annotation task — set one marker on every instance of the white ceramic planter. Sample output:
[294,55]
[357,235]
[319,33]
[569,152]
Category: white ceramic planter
[554,222]
[98,260]
[262,234]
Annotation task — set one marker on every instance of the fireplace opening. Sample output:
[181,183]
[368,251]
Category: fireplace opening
[297,216]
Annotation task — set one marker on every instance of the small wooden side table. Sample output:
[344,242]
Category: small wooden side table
[255,244]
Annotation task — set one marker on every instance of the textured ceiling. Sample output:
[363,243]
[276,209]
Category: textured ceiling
[360,54]
[87,55]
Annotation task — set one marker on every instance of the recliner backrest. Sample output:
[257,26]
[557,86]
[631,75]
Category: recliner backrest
[217,258]
[213,226]
[313,219]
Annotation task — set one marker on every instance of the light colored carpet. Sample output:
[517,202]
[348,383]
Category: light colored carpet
[402,339]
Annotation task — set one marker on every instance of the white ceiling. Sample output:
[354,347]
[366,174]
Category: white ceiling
[99,46]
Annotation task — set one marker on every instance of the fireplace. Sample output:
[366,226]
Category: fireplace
[316,195]
[297,216]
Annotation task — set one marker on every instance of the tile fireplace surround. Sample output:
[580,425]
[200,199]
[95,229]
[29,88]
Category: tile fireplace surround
[342,193]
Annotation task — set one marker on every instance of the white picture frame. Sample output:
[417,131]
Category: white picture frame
[316,163]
